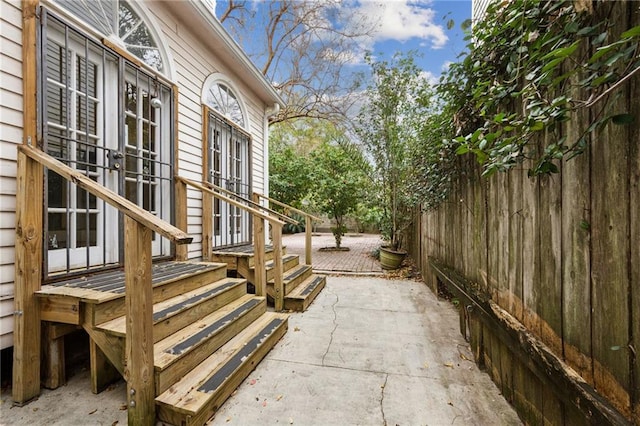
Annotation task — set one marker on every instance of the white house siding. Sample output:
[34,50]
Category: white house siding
[194,61]
[10,136]
[478,8]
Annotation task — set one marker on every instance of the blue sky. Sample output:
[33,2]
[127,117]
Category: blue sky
[422,26]
[403,25]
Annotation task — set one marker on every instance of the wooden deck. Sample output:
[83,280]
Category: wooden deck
[103,286]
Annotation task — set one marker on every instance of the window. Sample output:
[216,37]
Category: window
[119,22]
[112,121]
[220,97]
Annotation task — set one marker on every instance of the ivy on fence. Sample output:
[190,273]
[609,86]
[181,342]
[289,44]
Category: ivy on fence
[527,66]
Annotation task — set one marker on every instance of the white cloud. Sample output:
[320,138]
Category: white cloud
[403,20]
[431,78]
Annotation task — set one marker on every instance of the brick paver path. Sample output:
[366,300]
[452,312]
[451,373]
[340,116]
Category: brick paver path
[357,260]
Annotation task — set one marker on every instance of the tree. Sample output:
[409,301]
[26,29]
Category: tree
[390,124]
[339,181]
[305,52]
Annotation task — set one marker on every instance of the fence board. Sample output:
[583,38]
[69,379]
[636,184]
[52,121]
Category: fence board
[634,241]
[529,250]
[609,264]
[514,270]
[561,254]
[550,258]
[576,219]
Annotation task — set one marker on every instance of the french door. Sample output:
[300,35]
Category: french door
[110,120]
[229,168]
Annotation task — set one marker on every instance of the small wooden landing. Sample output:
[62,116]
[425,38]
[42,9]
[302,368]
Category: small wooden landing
[103,286]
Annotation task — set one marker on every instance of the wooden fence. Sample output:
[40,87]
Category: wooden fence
[561,255]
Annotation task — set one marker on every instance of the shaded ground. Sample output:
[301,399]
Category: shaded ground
[370,351]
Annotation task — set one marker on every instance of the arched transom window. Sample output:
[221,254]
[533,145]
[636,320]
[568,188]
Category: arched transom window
[123,25]
[220,97]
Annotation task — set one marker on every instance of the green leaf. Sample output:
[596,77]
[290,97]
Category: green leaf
[600,38]
[562,52]
[552,64]
[450,24]
[462,149]
[632,32]
[622,119]
[572,27]
[537,126]
[612,60]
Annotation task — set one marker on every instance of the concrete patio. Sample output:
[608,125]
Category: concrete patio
[368,351]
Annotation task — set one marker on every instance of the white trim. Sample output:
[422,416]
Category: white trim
[148,18]
[169,71]
[218,77]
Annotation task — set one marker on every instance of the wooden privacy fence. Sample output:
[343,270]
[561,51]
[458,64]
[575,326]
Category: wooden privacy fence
[561,255]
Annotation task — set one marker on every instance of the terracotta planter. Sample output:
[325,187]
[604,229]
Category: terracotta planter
[391,259]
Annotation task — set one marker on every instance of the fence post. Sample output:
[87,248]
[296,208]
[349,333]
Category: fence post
[278,272]
[139,370]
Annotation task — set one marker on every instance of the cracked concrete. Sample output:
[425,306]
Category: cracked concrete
[370,351]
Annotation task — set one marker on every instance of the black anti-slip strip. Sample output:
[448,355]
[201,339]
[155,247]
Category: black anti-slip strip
[213,328]
[230,366]
[160,315]
[312,285]
[296,274]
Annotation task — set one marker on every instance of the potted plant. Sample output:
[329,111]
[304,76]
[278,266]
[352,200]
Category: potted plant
[389,125]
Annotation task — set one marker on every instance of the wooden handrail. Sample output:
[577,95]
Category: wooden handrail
[286,206]
[308,224]
[138,227]
[203,188]
[260,275]
[252,203]
[127,207]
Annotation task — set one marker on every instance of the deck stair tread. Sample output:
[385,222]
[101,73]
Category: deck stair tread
[198,395]
[286,259]
[293,277]
[307,287]
[240,251]
[301,297]
[167,309]
[107,285]
[193,336]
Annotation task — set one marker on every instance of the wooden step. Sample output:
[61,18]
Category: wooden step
[177,354]
[302,296]
[232,256]
[179,311]
[201,392]
[289,261]
[98,313]
[292,278]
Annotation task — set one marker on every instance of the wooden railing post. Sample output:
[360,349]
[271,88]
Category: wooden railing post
[278,270]
[182,250]
[260,280]
[26,333]
[308,224]
[139,310]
